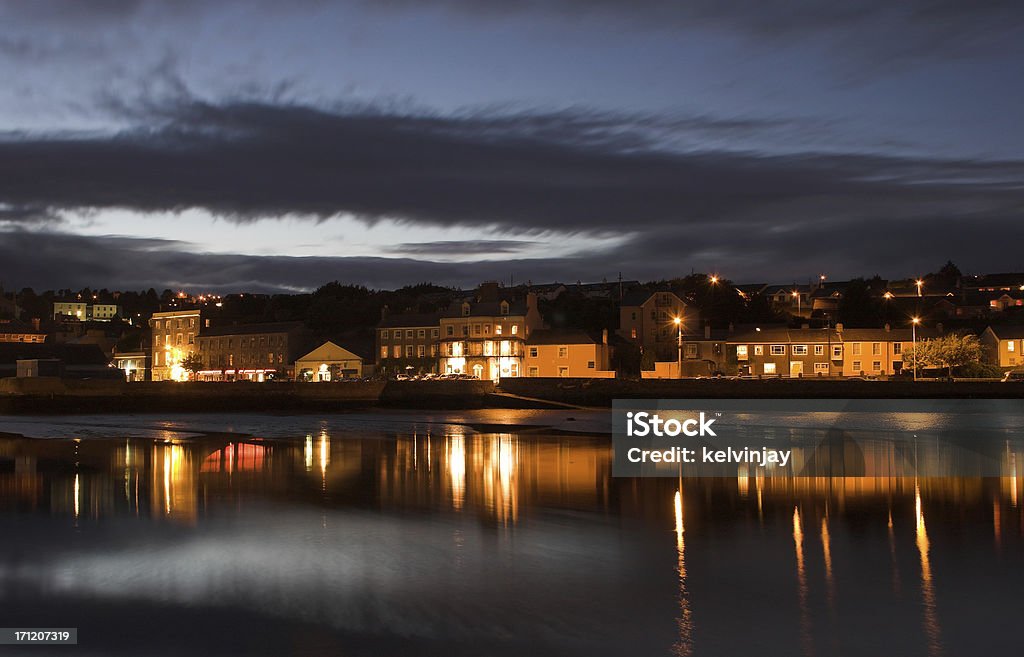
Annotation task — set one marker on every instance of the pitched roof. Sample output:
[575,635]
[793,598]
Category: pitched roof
[71,354]
[560,336]
[486,309]
[250,329]
[1008,332]
[330,351]
[18,327]
[409,319]
[782,334]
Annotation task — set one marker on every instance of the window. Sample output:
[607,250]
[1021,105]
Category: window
[487,329]
[533,352]
[799,350]
[420,351]
[515,329]
[450,331]
[433,350]
[191,338]
[1009,345]
[632,333]
[476,329]
[876,365]
[837,351]
[408,333]
[769,368]
[384,352]
[876,348]
[504,307]
[856,366]
[563,371]
[497,329]
[270,358]
[563,351]
[759,350]
[821,367]
[433,333]
[633,315]
[741,352]
[465,330]
[178,339]
[778,350]
[408,351]
[897,347]
[691,350]
[421,333]
[384,334]
[819,350]
[590,365]
[532,371]
[856,349]
[397,351]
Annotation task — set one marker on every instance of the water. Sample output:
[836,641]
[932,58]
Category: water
[407,534]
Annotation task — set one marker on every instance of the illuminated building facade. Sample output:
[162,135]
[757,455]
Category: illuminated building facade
[567,353]
[646,319]
[174,339]
[252,352]
[487,338]
[408,343]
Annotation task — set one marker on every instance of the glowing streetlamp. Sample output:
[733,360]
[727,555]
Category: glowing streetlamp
[919,283]
[714,279]
[914,321]
[679,346]
[888,295]
[796,295]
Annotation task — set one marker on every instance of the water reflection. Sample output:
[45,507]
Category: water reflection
[444,531]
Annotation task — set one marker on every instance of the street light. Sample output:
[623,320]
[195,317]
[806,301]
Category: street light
[919,283]
[679,346]
[914,321]
[888,295]
[714,279]
[796,295]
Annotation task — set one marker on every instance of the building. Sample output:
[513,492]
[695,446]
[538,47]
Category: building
[877,352]
[174,339]
[71,310]
[328,362]
[83,361]
[706,353]
[104,312]
[14,331]
[647,320]
[408,343]
[134,364]
[1004,345]
[567,353]
[781,351]
[252,352]
[487,337]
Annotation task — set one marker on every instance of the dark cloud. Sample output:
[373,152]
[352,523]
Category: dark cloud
[568,172]
[461,247]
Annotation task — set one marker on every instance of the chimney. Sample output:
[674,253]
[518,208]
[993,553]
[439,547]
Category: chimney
[35,323]
[707,331]
[888,327]
[531,301]
[839,327]
[383,311]
[604,336]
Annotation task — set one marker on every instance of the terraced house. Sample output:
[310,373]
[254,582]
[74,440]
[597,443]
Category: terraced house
[487,337]
[408,343]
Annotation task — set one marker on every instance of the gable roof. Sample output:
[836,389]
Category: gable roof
[1008,332]
[560,336]
[329,351]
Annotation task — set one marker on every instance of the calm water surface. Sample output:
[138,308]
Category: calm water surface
[393,535]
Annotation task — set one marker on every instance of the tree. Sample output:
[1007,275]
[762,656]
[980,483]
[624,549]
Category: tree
[193,364]
[951,351]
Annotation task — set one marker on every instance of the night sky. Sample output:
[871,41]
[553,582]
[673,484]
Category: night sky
[254,146]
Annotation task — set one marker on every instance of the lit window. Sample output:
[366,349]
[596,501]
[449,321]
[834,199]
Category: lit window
[876,365]
[741,351]
[397,351]
[856,349]
[497,329]
[563,371]
[778,349]
[563,351]
[384,352]
[769,368]
[799,350]
[632,334]
[515,329]
[876,348]
[819,350]
[856,366]
[837,351]
[759,350]
[897,347]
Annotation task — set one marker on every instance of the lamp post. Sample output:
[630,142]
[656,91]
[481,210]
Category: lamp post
[914,321]
[796,295]
[679,346]
[919,283]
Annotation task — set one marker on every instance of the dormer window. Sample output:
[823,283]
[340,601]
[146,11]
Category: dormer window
[504,307]
[465,309]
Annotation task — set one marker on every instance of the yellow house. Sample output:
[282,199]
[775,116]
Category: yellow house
[174,339]
[328,362]
[878,352]
[567,353]
[1004,345]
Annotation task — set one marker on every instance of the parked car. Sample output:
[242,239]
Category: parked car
[1015,376]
